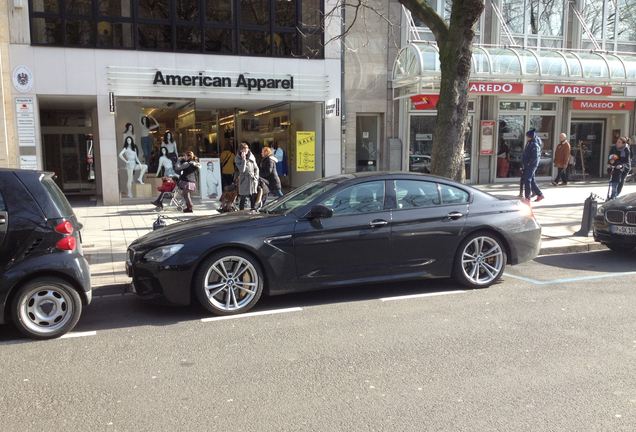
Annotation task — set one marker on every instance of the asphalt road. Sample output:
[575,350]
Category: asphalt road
[550,348]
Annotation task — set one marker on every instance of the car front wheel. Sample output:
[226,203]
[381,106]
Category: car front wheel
[229,282]
[46,308]
[480,261]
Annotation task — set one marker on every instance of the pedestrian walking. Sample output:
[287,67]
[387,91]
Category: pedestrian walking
[188,167]
[247,176]
[269,173]
[530,162]
[227,166]
[562,160]
[620,160]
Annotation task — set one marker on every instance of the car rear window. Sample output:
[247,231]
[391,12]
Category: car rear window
[57,197]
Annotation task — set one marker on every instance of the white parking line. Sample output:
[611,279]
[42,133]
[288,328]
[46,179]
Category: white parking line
[78,334]
[412,296]
[251,314]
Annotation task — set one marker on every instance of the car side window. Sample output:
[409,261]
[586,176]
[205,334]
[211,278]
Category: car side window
[453,195]
[411,194]
[3,206]
[357,199]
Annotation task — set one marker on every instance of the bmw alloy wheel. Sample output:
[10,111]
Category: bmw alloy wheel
[231,283]
[482,261]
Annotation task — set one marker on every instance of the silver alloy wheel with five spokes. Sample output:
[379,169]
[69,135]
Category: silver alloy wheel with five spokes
[45,309]
[482,260]
[231,283]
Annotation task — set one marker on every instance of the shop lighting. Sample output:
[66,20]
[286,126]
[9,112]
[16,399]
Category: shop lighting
[241,112]
[226,118]
[227,123]
[262,113]
[185,113]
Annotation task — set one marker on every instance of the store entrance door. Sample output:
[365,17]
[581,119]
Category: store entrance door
[65,154]
[586,139]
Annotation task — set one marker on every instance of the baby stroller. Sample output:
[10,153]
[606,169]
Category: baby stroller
[228,199]
[170,190]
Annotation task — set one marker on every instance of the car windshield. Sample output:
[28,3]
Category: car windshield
[298,197]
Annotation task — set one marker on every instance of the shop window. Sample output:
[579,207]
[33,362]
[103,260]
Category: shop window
[78,7]
[367,139]
[219,41]
[510,145]
[543,106]
[188,38]
[311,14]
[187,10]
[255,43]
[155,36]
[254,12]
[115,8]
[312,45]
[154,9]
[285,13]
[285,44]
[46,30]
[219,11]
[544,127]
[512,106]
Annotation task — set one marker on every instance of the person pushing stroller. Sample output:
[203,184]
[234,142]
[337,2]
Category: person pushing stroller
[619,164]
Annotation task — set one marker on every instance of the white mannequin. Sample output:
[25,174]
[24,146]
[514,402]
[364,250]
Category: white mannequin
[166,164]
[129,131]
[129,156]
[170,145]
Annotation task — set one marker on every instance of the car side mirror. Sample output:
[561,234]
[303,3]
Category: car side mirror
[319,212]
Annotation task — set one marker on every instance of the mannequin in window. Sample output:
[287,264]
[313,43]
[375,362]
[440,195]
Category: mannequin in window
[129,131]
[171,146]
[166,164]
[148,123]
[130,158]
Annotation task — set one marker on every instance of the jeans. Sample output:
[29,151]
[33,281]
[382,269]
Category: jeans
[562,173]
[616,184]
[252,198]
[146,147]
[529,183]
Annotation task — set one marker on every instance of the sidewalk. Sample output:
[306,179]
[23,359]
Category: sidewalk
[109,230]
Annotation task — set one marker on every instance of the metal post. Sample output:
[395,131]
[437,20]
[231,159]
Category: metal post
[589,210]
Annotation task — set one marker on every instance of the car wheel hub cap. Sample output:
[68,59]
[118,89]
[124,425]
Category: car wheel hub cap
[45,310]
[230,283]
[482,260]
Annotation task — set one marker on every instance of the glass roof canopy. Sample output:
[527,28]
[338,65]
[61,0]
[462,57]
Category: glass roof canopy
[418,63]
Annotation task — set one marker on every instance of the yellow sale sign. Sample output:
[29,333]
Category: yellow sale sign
[306,151]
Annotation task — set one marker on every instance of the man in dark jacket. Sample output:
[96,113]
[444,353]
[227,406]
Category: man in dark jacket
[530,160]
[620,160]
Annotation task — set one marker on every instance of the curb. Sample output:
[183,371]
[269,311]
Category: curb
[576,248]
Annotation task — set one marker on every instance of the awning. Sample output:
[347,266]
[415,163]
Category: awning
[418,63]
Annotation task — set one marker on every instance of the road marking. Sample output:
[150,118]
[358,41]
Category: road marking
[78,334]
[412,296]
[567,280]
[251,314]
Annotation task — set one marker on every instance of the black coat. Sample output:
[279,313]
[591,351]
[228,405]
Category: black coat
[269,173]
[188,171]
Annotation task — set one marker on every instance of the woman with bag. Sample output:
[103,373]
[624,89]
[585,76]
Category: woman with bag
[269,173]
[188,167]
[247,176]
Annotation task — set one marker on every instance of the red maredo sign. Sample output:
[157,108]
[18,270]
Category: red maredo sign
[425,102]
[495,87]
[577,90]
[602,105]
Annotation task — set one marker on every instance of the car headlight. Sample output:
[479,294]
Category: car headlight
[600,211]
[162,253]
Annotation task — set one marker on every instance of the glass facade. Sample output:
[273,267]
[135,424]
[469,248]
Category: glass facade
[535,22]
[271,28]
[612,23]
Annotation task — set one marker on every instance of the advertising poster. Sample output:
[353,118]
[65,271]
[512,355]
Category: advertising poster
[306,151]
[210,178]
[487,137]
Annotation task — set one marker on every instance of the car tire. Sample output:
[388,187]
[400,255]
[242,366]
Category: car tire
[229,282]
[620,248]
[480,260]
[46,308]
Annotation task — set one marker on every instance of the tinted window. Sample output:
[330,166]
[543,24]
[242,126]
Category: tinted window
[57,197]
[357,199]
[3,206]
[299,197]
[416,194]
[453,195]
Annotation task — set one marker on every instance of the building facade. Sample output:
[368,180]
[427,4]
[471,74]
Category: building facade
[556,66]
[87,78]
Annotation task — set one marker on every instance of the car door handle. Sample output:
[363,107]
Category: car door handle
[378,223]
[454,215]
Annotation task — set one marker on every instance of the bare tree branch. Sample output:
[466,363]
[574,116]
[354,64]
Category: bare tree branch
[425,13]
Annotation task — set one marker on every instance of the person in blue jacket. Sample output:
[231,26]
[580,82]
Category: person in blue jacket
[530,161]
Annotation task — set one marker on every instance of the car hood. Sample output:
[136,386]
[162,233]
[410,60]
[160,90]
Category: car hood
[198,227]
[623,202]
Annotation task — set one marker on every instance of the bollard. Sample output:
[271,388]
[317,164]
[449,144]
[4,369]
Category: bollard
[589,210]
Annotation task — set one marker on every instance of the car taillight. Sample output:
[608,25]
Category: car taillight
[64,227]
[68,243]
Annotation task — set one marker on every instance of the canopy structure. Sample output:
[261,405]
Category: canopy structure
[418,63]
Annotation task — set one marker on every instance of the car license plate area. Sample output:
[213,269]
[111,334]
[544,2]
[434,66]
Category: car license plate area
[625,230]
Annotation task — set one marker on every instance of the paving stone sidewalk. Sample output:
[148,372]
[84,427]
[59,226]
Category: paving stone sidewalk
[109,230]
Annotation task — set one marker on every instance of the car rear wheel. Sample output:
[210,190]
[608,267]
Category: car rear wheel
[621,248]
[46,308]
[229,282]
[480,260]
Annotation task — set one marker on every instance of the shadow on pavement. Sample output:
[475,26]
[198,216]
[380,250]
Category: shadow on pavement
[128,311]
[605,261]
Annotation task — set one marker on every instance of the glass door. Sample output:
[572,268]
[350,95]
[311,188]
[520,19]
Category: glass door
[367,139]
[65,154]
[511,140]
[586,139]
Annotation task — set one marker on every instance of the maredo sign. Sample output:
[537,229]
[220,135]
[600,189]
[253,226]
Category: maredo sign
[577,90]
[603,105]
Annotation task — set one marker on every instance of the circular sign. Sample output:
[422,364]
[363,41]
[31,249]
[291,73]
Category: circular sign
[22,79]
